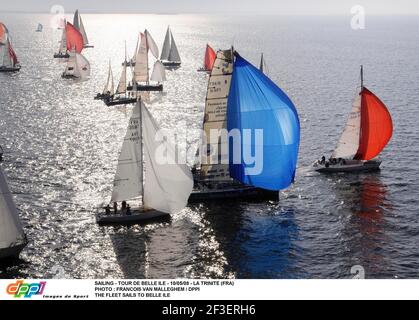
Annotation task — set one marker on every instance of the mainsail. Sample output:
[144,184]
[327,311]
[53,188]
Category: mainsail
[11,231]
[122,86]
[141,62]
[128,182]
[78,24]
[76,20]
[210,57]
[214,159]
[74,38]
[109,88]
[77,66]
[256,104]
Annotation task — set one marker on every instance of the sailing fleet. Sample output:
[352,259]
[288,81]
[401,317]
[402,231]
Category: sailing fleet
[242,102]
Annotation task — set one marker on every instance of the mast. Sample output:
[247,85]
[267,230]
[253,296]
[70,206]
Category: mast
[362,77]
[142,148]
[146,49]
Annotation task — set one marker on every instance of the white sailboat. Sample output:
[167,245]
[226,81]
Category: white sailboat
[40,28]
[170,54]
[131,63]
[62,50]
[141,74]
[78,67]
[120,96]
[78,24]
[162,185]
[12,236]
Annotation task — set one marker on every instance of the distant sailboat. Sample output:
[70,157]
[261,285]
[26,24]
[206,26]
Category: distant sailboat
[62,50]
[8,59]
[78,24]
[12,236]
[131,63]
[163,186]
[120,96]
[170,55]
[109,89]
[239,99]
[40,28]
[209,59]
[263,67]
[367,132]
[141,74]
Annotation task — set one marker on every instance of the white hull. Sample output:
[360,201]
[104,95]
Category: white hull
[350,166]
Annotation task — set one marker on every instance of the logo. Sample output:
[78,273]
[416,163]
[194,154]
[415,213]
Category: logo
[21,289]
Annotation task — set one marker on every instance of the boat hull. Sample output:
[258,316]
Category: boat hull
[204,70]
[88,46]
[10,70]
[137,218]
[66,76]
[119,102]
[145,87]
[352,167]
[61,56]
[242,193]
[101,96]
[172,64]
[129,64]
[12,252]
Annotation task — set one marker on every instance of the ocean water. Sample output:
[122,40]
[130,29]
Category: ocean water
[62,147]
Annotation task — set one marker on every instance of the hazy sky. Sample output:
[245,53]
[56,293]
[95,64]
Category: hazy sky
[217,6]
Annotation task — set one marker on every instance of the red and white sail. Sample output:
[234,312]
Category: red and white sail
[368,131]
[74,38]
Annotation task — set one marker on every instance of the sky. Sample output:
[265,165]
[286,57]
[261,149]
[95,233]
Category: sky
[304,7]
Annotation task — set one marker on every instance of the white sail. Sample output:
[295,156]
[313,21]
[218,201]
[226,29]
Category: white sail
[159,72]
[40,27]
[63,43]
[71,67]
[6,61]
[349,142]
[83,67]
[174,53]
[216,167]
[109,82]
[11,231]
[128,182]
[263,66]
[167,185]
[151,44]
[83,32]
[141,62]
[76,20]
[122,86]
[134,58]
[165,53]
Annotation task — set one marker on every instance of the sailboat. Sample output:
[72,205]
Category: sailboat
[131,63]
[141,74]
[109,87]
[162,185]
[243,102]
[367,132]
[8,58]
[120,96]
[170,55]
[12,236]
[263,67]
[62,50]
[40,28]
[210,56]
[78,67]
[78,24]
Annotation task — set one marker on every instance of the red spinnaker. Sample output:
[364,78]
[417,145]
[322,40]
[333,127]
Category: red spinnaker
[210,57]
[376,126]
[3,33]
[74,38]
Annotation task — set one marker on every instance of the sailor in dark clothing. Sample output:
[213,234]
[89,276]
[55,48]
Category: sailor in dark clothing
[323,160]
[108,210]
[115,207]
[128,210]
[124,207]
